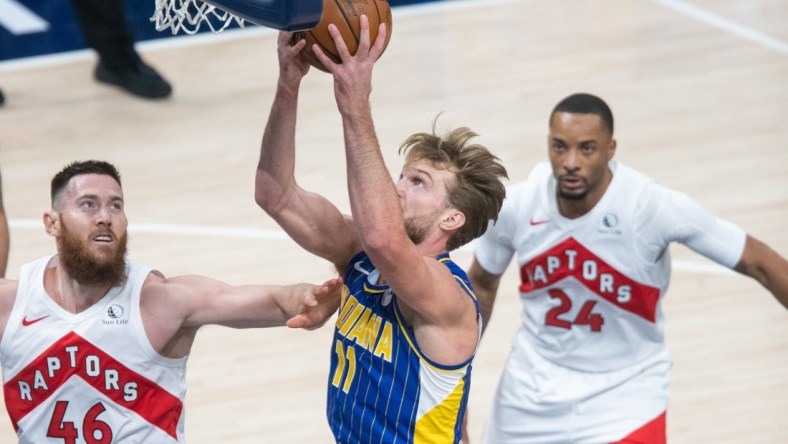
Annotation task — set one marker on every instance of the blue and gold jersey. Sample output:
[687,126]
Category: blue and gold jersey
[381,388]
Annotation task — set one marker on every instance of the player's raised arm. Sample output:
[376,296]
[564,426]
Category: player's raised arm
[311,220]
[415,277]
[440,202]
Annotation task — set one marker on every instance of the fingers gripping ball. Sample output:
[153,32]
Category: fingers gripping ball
[346,15]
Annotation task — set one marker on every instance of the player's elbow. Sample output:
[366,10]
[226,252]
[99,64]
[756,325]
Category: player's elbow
[268,194]
[380,243]
[263,199]
[376,244]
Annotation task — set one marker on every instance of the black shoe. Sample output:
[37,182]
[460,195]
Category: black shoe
[142,81]
[2,98]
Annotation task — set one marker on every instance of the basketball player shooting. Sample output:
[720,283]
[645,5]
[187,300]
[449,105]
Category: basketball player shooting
[407,333]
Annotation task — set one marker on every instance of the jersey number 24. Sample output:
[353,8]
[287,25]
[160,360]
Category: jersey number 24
[585,316]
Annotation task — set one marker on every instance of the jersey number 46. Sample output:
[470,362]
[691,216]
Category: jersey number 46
[91,426]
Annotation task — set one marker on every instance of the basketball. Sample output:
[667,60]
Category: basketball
[346,15]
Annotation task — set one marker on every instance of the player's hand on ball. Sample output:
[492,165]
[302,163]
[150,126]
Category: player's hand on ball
[292,65]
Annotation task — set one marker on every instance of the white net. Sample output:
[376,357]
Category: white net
[189,15]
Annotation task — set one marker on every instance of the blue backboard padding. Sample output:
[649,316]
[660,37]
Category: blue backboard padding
[63,33]
[277,14]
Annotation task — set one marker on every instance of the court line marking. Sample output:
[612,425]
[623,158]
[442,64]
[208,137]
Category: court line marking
[725,24]
[175,229]
[278,234]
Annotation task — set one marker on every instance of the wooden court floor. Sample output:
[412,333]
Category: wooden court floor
[699,89]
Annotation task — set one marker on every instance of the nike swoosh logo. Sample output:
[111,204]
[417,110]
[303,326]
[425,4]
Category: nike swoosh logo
[358,267]
[538,222]
[26,322]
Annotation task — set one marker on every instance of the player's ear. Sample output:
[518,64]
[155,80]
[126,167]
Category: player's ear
[52,223]
[452,220]
[612,149]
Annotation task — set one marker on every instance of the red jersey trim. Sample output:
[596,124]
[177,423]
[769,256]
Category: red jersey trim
[74,356]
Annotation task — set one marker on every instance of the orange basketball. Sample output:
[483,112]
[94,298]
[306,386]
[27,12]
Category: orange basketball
[346,15]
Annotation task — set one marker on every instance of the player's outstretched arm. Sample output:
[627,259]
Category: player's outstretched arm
[194,301]
[763,264]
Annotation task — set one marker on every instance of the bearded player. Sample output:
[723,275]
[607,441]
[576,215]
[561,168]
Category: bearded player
[94,345]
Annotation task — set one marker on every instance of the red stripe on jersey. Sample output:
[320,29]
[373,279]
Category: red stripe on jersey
[654,432]
[72,355]
[571,259]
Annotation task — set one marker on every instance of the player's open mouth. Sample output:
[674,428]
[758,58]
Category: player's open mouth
[571,182]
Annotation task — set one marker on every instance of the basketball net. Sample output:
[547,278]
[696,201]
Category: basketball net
[188,15]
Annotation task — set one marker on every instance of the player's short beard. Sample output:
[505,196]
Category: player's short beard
[417,228]
[88,268]
[569,196]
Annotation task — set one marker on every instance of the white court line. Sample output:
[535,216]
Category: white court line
[206,231]
[255,233]
[182,230]
[726,25]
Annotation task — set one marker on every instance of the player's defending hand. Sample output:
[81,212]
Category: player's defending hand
[319,302]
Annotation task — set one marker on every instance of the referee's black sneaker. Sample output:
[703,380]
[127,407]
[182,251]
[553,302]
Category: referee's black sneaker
[141,80]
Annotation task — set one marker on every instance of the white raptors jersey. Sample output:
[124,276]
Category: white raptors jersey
[90,377]
[591,286]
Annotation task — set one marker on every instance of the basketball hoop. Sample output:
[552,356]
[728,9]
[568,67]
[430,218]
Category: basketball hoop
[189,15]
